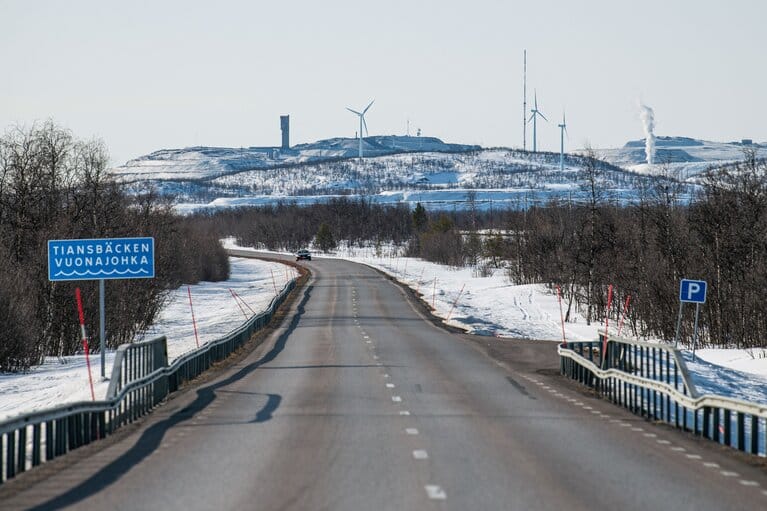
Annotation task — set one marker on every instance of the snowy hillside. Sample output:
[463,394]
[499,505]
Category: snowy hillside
[395,169]
[211,162]
[684,157]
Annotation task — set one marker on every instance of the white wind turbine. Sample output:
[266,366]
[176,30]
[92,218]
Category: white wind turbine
[562,131]
[362,122]
[533,117]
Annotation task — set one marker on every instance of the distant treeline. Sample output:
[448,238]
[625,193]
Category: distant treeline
[54,186]
[643,250]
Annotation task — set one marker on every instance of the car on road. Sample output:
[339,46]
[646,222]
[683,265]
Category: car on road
[303,254]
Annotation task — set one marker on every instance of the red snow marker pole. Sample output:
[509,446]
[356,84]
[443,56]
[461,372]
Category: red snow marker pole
[85,339]
[194,322]
[607,322]
[561,316]
[238,303]
[418,284]
[625,311]
[244,302]
[455,303]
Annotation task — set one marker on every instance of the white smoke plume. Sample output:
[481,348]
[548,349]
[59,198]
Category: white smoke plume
[647,115]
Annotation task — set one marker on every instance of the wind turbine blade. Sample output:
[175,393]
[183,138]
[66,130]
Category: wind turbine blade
[366,108]
[531,117]
[535,98]
[544,117]
[353,111]
[365,124]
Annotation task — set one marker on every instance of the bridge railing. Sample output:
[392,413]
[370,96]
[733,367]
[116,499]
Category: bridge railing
[141,379]
[652,380]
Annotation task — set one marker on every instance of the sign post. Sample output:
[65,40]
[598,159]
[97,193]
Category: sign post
[692,291]
[101,259]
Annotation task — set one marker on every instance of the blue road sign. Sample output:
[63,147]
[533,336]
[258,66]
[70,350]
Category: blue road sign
[95,259]
[692,291]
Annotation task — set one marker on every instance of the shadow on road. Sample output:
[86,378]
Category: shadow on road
[151,438]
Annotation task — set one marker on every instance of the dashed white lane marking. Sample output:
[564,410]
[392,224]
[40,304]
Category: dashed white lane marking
[625,425]
[411,431]
[650,435]
[404,412]
[596,412]
[694,456]
[375,357]
[587,408]
[663,442]
[420,454]
[745,482]
[435,492]
[366,336]
[638,430]
[681,449]
[387,376]
[764,492]
[729,473]
[396,399]
[710,464]
[389,385]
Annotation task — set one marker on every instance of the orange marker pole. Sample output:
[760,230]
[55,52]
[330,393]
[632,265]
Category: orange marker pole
[85,339]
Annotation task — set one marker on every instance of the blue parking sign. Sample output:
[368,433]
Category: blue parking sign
[693,291]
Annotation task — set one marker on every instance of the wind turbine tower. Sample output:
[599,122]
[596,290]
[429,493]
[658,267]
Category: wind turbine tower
[562,131]
[362,122]
[524,101]
[533,118]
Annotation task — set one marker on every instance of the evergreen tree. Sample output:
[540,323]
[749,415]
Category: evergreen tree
[324,239]
[420,217]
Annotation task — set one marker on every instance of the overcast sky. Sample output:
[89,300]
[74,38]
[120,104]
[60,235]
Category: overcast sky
[164,74]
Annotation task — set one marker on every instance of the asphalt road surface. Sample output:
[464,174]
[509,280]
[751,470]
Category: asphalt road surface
[359,402]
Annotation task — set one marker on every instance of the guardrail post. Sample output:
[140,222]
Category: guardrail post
[741,432]
[50,447]
[754,434]
[36,441]
[706,420]
[21,456]
[10,454]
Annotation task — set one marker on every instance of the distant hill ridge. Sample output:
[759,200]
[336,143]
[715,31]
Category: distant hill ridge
[210,162]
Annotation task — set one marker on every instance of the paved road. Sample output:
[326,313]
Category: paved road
[360,403]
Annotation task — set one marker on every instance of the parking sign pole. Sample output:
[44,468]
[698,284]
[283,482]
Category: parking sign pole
[695,331]
[678,325]
[102,329]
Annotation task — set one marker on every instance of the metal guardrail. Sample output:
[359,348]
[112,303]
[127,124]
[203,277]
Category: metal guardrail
[652,380]
[134,361]
[141,379]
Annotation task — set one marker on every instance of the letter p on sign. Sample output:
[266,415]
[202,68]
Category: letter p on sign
[692,291]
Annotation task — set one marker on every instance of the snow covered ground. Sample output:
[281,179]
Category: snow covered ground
[492,306]
[216,312]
